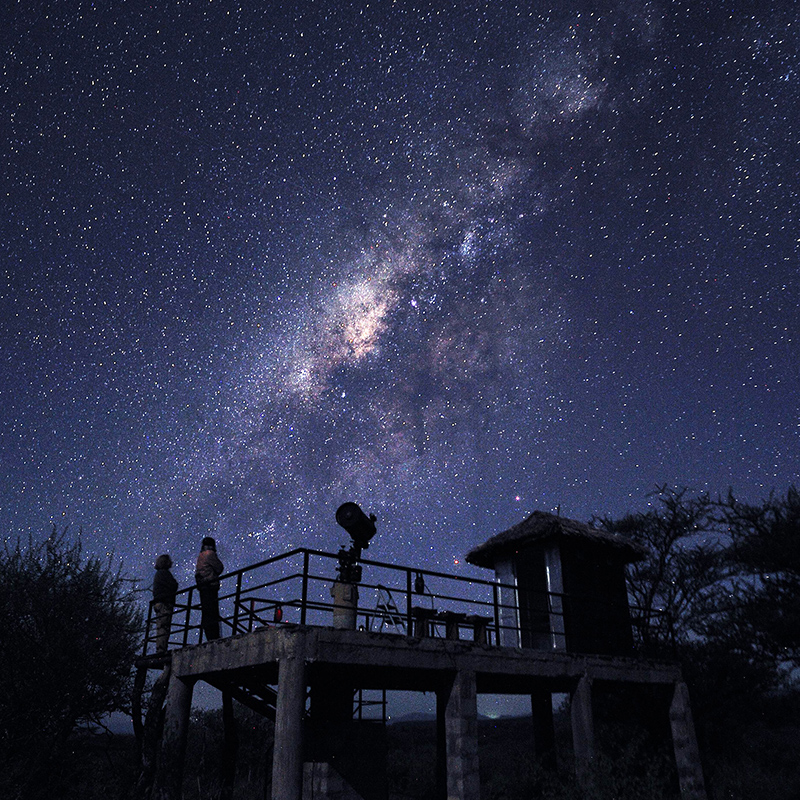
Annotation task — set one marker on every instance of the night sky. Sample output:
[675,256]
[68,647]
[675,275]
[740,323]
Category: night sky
[453,261]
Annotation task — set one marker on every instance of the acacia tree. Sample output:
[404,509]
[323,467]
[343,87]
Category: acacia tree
[721,575]
[71,631]
[765,552]
[720,592]
[678,586]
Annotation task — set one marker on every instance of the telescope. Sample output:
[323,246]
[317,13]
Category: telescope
[360,526]
[361,529]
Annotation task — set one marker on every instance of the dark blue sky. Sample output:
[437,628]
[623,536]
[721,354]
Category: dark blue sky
[456,262]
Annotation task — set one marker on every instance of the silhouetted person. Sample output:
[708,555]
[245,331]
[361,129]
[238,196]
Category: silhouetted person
[206,575]
[165,588]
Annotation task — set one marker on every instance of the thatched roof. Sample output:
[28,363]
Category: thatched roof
[541,526]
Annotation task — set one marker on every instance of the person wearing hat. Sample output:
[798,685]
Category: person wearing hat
[206,576]
[165,587]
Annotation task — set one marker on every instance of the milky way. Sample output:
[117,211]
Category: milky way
[453,262]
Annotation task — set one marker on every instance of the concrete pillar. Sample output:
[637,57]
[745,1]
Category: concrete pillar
[461,734]
[150,739]
[582,727]
[684,743]
[169,772]
[287,759]
[442,696]
[544,743]
[230,747]
[345,605]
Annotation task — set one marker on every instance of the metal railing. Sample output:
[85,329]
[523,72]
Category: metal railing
[295,588]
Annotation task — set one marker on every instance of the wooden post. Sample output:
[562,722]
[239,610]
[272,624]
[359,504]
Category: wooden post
[582,727]
[169,773]
[684,743]
[461,732]
[287,759]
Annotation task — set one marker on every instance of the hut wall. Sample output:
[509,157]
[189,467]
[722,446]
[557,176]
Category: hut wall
[534,610]
[596,612]
[505,574]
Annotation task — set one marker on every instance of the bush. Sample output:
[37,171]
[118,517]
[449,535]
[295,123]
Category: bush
[71,632]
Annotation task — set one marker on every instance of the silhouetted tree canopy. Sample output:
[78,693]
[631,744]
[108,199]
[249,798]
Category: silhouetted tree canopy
[720,571]
[680,586]
[720,592]
[70,633]
[765,551]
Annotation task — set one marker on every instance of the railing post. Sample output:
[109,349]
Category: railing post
[236,603]
[147,627]
[304,598]
[409,621]
[188,616]
[496,604]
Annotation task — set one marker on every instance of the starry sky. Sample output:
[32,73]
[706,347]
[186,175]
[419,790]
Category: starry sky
[453,261]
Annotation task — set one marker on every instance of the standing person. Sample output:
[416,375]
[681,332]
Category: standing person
[165,587]
[206,575]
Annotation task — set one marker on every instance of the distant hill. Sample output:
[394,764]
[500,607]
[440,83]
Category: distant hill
[414,716]
[423,716]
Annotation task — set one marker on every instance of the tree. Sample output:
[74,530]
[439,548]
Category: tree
[722,576]
[678,585]
[71,631]
[765,552]
[720,593]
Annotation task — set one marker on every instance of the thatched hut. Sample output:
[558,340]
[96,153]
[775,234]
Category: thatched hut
[562,584]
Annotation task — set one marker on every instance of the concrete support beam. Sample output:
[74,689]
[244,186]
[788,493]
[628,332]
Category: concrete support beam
[582,727]
[544,740]
[151,731]
[287,759]
[230,747]
[684,743]
[169,772]
[461,734]
[441,744]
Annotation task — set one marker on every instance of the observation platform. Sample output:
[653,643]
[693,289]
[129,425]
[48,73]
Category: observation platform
[297,654]
[375,660]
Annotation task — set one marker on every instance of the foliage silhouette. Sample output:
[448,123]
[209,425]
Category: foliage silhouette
[72,630]
[765,552]
[720,593]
